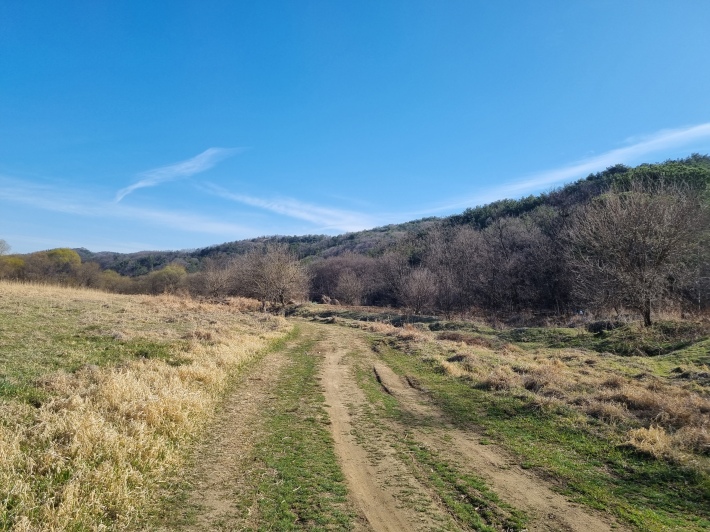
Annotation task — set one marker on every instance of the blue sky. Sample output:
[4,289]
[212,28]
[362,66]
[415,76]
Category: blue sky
[138,125]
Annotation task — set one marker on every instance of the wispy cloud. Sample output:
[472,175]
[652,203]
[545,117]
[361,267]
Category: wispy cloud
[324,217]
[74,202]
[198,164]
[659,142]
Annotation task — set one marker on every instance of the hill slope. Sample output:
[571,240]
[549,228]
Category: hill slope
[693,170]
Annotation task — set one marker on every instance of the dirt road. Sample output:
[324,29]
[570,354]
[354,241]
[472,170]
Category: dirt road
[547,510]
[386,494]
[387,489]
[219,475]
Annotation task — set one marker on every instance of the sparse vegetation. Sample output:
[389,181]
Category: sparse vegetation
[627,434]
[100,392]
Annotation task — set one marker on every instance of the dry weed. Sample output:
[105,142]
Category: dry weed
[696,439]
[673,408]
[92,455]
[411,333]
[380,327]
[501,378]
[244,304]
[653,440]
[546,375]
[609,411]
[614,382]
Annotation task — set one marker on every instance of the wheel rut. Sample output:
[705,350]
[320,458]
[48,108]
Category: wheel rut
[386,488]
[374,480]
[547,510]
[220,462]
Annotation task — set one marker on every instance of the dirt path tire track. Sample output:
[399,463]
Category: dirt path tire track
[376,504]
[386,493]
[548,510]
[220,460]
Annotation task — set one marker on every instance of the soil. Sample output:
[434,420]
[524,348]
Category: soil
[220,463]
[521,489]
[385,493]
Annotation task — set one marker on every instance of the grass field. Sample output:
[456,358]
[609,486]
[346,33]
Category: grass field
[102,397]
[100,393]
[625,434]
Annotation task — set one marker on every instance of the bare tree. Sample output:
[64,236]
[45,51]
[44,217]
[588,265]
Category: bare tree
[4,247]
[343,277]
[349,288]
[634,248]
[272,275]
[418,289]
[393,269]
[454,256]
[217,277]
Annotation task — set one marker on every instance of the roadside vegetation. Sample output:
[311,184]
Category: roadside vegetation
[623,244]
[99,394]
[626,434]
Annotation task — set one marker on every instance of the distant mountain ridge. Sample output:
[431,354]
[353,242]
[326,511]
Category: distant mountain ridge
[693,170]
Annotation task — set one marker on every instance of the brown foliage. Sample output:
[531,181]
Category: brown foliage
[272,274]
[634,247]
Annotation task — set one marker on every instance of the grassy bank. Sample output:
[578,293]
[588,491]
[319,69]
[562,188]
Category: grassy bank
[595,461]
[98,394]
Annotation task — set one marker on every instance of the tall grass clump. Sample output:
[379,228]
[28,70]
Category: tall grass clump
[118,385]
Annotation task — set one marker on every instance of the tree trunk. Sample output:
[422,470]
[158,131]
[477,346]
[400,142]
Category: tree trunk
[647,312]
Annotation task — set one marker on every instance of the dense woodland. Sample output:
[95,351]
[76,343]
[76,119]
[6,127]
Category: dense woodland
[625,241]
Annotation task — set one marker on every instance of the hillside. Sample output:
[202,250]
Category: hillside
[371,242]
[693,170]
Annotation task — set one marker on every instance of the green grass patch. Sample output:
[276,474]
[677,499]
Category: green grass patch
[301,485]
[584,462]
[632,339]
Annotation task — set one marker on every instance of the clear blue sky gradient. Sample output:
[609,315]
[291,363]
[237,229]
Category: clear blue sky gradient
[170,125]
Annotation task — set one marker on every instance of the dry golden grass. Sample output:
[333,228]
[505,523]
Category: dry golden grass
[408,332]
[92,454]
[653,440]
[501,378]
[609,411]
[669,419]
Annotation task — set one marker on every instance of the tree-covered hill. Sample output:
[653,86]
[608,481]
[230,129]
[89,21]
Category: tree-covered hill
[625,240]
[369,242]
[693,170]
